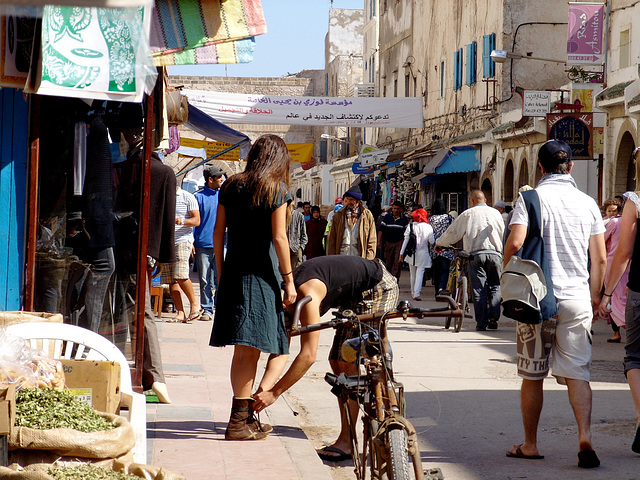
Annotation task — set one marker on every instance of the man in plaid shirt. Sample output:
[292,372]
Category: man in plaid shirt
[334,281]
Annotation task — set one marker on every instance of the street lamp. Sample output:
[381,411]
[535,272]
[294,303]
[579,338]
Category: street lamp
[501,56]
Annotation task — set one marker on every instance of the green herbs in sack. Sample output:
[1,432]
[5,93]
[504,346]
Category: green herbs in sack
[87,472]
[45,409]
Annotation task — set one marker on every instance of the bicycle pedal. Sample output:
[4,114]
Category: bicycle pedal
[433,474]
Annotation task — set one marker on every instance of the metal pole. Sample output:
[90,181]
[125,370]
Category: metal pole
[212,157]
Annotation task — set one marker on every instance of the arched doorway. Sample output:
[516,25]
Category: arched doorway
[523,177]
[507,188]
[487,190]
[625,177]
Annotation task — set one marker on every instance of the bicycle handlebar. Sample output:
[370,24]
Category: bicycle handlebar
[404,310]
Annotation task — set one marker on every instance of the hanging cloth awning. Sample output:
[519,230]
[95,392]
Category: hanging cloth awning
[78,3]
[208,126]
[454,160]
[205,31]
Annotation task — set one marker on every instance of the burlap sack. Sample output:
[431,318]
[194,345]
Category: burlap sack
[73,443]
[10,318]
[38,472]
[22,458]
[11,474]
[146,471]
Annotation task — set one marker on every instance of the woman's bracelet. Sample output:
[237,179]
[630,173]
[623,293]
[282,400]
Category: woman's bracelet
[606,295]
[285,274]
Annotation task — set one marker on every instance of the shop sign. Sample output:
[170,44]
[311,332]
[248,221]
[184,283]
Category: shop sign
[372,156]
[299,152]
[358,169]
[536,103]
[576,129]
[583,94]
[584,36]
[598,140]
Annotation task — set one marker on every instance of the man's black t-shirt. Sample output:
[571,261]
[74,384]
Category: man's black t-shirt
[345,277]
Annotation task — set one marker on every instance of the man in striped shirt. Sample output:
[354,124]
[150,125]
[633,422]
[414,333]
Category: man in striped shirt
[572,229]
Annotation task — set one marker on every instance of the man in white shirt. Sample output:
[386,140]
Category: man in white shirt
[480,228]
[177,274]
[572,229]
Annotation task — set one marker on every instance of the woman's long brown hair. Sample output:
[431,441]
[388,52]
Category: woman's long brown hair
[267,166]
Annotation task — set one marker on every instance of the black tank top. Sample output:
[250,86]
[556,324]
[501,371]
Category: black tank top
[345,277]
[634,268]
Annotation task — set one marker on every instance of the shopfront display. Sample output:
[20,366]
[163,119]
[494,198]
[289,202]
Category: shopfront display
[89,215]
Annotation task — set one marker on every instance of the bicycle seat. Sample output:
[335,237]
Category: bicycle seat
[343,382]
[463,254]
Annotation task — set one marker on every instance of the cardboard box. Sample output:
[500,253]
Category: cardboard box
[7,409]
[98,382]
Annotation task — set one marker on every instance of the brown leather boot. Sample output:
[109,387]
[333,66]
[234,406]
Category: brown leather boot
[238,428]
[254,421]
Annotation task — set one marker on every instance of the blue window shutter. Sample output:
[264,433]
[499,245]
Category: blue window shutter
[455,70]
[468,76]
[492,67]
[471,63]
[460,67]
[488,66]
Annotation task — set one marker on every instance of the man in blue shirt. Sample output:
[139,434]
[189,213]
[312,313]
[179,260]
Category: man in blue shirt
[207,198]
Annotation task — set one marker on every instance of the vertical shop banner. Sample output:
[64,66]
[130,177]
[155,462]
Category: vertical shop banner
[100,53]
[400,112]
[584,94]
[576,129]
[584,39]
[598,140]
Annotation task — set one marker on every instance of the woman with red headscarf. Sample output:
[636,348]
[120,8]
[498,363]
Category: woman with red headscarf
[421,259]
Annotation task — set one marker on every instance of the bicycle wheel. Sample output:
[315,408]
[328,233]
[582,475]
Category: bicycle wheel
[399,454]
[461,299]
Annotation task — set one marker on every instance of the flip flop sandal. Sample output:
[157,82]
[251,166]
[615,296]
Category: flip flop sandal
[588,459]
[635,446]
[520,454]
[194,316]
[340,455]
[178,320]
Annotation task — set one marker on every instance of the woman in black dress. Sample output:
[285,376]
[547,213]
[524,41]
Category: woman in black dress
[249,306]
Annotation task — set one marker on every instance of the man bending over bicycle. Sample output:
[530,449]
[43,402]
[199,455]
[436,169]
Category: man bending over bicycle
[334,281]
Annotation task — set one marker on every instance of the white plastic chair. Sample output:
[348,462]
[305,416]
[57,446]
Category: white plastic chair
[61,340]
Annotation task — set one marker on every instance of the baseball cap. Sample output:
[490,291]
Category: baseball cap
[499,204]
[550,148]
[213,171]
[338,200]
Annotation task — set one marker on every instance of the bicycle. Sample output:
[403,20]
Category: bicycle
[389,439]
[458,287]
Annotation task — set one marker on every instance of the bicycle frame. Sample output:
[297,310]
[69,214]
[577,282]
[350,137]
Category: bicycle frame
[380,397]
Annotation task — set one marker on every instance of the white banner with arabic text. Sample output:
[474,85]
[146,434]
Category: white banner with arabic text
[404,112]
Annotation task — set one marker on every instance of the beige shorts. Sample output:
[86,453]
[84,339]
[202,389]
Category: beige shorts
[178,270]
[562,343]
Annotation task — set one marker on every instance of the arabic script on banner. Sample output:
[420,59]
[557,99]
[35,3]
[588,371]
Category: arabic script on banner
[328,111]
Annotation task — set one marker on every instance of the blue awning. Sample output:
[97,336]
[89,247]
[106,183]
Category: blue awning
[453,160]
[210,127]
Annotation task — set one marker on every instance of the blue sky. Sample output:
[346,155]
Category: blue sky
[294,40]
